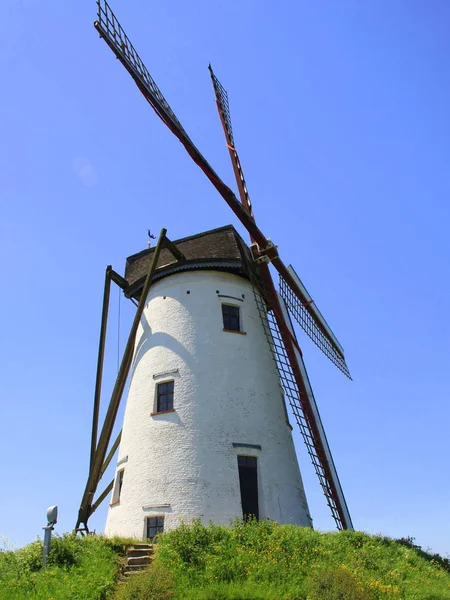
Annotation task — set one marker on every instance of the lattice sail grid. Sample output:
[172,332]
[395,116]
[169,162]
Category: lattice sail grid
[121,45]
[222,99]
[307,323]
[292,393]
[224,108]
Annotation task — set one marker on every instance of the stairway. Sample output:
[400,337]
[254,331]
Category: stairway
[137,558]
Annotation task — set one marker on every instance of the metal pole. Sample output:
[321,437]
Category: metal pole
[47,542]
[105,436]
[52,518]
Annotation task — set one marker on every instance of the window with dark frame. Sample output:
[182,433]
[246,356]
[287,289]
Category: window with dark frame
[231,320]
[164,396]
[248,483]
[155,525]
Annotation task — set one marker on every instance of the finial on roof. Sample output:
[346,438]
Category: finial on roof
[150,238]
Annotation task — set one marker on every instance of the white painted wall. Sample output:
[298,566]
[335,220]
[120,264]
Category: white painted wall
[183,464]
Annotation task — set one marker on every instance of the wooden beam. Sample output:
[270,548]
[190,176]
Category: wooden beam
[101,355]
[177,254]
[102,497]
[111,453]
[121,282]
[105,436]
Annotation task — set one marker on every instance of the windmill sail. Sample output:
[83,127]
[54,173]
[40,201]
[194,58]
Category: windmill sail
[336,500]
[285,348]
[302,307]
[298,392]
[223,107]
[280,335]
[112,32]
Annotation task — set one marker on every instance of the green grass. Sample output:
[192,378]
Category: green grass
[266,561]
[246,561]
[78,569]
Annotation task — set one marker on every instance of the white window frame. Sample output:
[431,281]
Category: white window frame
[117,491]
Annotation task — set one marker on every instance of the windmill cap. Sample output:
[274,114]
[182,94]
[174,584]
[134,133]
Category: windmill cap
[220,249]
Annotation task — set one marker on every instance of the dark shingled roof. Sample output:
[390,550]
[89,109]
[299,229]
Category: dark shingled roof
[218,249]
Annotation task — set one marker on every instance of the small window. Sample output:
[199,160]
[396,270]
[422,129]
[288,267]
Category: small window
[118,486]
[120,482]
[164,396]
[155,525]
[230,314]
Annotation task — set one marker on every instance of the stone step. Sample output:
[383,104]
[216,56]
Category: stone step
[141,547]
[138,558]
[127,574]
[134,568]
[135,553]
[138,561]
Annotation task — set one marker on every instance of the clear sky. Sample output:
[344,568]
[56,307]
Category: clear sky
[341,118]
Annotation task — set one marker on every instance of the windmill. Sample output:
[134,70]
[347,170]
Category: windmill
[211,456]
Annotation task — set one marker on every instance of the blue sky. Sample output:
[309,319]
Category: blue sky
[340,113]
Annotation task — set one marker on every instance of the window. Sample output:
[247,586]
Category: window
[119,483]
[118,487]
[230,316]
[164,396]
[155,525]
[247,461]
[248,482]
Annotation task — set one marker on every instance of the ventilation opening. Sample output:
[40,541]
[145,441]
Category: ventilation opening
[248,482]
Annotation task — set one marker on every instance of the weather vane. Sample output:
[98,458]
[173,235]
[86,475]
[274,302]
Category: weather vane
[150,238]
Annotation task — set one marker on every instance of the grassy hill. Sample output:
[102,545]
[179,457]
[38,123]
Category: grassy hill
[246,561]
[78,569]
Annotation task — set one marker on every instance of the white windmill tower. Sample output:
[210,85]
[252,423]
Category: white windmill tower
[205,432]
[214,365]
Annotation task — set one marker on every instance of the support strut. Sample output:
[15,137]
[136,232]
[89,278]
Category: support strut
[101,356]
[102,496]
[99,456]
[111,453]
